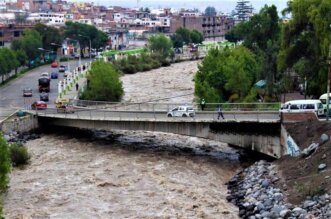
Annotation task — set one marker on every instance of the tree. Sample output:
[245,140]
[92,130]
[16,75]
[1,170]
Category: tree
[8,61]
[196,37]
[49,35]
[261,34]
[83,33]
[218,75]
[185,34]
[210,11]
[21,57]
[305,42]
[104,83]
[29,42]
[177,40]
[160,44]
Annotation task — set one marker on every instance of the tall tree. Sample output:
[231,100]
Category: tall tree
[29,42]
[160,44]
[49,35]
[305,42]
[84,33]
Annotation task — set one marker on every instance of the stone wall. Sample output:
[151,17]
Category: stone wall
[19,124]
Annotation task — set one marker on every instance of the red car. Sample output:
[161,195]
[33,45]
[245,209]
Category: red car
[55,64]
[38,105]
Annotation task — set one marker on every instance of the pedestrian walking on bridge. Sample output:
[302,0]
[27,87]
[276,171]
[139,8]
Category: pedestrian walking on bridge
[219,112]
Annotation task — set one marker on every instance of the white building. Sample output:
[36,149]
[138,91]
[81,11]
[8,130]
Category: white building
[49,18]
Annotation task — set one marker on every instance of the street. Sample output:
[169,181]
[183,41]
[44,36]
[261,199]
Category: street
[11,94]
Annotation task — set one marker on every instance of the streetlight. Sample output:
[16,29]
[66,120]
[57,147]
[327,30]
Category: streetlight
[89,41]
[79,62]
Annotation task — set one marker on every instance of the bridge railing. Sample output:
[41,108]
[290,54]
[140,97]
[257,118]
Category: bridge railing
[166,106]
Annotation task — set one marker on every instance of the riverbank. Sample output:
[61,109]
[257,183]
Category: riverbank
[291,187]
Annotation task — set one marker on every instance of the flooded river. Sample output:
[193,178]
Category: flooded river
[135,175]
[131,175]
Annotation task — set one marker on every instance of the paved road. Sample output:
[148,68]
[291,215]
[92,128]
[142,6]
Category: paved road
[11,95]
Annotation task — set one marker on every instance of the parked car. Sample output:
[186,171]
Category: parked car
[54,75]
[181,111]
[38,105]
[27,92]
[44,96]
[75,55]
[55,64]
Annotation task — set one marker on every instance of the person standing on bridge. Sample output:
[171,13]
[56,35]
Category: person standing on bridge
[77,86]
[203,104]
[220,112]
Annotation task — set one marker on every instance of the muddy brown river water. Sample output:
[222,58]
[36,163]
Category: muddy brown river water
[137,175]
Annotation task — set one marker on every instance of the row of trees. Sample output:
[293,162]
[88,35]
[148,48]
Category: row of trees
[26,49]
[281,48]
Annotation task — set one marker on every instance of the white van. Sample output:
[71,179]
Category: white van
[296,106]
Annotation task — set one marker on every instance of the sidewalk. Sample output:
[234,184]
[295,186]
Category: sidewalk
[67,87]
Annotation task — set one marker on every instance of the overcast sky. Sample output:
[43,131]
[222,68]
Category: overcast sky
[220,5]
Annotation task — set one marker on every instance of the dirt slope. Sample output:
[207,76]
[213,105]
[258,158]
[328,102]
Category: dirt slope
[301,177]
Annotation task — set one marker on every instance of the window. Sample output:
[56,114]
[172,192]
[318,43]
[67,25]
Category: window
[295,107]
[308,106]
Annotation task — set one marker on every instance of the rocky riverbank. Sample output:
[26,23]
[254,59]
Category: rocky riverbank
[255,191]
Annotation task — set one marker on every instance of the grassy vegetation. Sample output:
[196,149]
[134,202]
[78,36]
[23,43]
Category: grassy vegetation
[4,167]
[143,62]
[19,154]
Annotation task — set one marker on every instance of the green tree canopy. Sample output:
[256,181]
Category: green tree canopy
[104,83]
[218,75]
[305,42]
[185,34]
[29,42]
[160,44]
[196,37]
[84,33]
[49,35]
[8,61]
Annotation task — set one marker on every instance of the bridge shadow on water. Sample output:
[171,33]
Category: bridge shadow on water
[173,145]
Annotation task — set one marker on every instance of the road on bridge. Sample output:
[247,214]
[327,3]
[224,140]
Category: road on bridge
[94,114]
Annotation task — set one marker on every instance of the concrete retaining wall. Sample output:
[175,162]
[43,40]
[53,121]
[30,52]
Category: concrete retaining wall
[19,124]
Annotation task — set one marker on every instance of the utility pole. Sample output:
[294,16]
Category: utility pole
[328,86]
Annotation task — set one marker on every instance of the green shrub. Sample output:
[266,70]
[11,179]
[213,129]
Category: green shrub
[4,163]
[19,154]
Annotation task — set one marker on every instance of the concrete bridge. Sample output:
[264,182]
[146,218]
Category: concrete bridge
[255,126]
[255,130]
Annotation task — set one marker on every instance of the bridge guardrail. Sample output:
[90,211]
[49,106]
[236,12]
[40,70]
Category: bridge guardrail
[166,106]
[109,114]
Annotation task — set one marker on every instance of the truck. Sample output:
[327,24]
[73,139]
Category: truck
[64,106]
[44,84]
